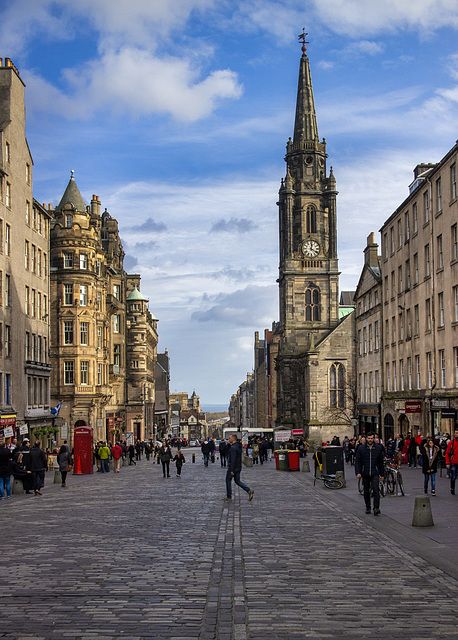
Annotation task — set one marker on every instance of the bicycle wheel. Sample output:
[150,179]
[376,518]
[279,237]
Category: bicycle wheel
[333,484]
[400,484]
[382,488]
[360,486]
[390,482]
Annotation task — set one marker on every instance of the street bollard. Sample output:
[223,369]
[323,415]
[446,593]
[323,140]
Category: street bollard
[340,475]
[125,462]
[422,514]
[57,477]
[17,487]
[193,457]
[305,466]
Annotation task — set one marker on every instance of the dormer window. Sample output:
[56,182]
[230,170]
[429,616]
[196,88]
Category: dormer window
[68,221]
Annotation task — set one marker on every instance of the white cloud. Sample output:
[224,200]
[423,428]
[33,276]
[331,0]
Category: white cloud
[364,47]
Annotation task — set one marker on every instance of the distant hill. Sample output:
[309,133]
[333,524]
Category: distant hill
[215,408]
[217,415]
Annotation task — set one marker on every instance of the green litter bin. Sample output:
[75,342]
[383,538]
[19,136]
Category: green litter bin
[281,460]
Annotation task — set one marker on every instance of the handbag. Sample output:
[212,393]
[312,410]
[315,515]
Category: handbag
[69,467]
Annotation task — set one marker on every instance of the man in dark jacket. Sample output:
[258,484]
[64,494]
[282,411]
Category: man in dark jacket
[370,467]
[38,466]
[222,452]
[206,448]
[234,467]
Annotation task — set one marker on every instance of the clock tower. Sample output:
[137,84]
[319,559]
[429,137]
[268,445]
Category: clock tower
[308,270]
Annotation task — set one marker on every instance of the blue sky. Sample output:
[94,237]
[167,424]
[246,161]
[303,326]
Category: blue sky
[176,113]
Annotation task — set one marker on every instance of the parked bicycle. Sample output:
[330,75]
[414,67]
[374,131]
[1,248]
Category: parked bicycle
[393,478]
[330,481]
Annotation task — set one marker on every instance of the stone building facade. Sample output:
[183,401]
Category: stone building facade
[420,303]
[24,278]
[315,362]
[368,314]
[103,337]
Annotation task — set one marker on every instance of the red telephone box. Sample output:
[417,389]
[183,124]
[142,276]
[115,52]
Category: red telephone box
[82,450]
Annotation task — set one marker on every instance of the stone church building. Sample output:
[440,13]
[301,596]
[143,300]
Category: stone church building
[315,371]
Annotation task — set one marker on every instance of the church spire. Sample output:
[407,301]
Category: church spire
[305,126]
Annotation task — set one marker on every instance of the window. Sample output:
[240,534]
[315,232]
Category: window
[27,173]
[115,323]
[364,341]
[392,239]
[360,343]
[7,291]
[440,301]
[377,386]
[377,335]
[453,181]
[99,267]
[33,259]
[7,152]
[388,379]
[27,212]
[7,240]
[27,300]
[401,374]
[84,372]
[39,263]
[68,294]
[68,332]
[39,313]
[33,345]
[407,225]
[68,372]
[312,304]
[440,256]
[454,242]
[442,367]
[409,373]
[455,298]
[400,281]
[429,369]
[99,337]
[409,324]
[83,261]
[387,332]
[337,386]
[386,288]
[83,295]
[8,388]
[399,233]
[45,306]
[1,236]
[385,245]
[99,301]
[27,345]
[7,341]
[415,268]
[371,339]
[428,314]
[395,376]
[68,260]
[415,217]
[439,195]
[401,326]
[393,284]
[393,329]
[427,262]
[84,333]
[426,206]
[407,275]
[117,355]
[68,221]
[8,195]
[99,373]
[33,299]
[116,291]
[45,263]
[311,219]
[417,369]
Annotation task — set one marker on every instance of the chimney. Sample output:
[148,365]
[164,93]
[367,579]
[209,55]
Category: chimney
[371,251]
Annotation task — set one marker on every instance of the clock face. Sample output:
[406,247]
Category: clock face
[311,248]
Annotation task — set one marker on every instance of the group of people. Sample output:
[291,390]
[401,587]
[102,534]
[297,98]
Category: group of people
[426,452]
[29,465]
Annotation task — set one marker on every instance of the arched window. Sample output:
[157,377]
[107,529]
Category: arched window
[312,303]
[310,216]
[337,386]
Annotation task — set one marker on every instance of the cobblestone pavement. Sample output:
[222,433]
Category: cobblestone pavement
[133,556]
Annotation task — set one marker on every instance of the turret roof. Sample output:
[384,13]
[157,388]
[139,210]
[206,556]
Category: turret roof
[305,125]
[72,196]
[136,295]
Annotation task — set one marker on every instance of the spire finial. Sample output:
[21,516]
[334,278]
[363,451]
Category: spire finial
[302,39]
[72,174]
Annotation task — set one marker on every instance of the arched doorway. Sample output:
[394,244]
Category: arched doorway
[388,427]
[404,425]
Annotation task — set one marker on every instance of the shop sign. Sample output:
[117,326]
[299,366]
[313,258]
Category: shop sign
[8,432]
[413,406]
[298,432]
[448,413]
[8,420]
[129,438]
[283,436]
[23,430]
[400,405]
[439,404]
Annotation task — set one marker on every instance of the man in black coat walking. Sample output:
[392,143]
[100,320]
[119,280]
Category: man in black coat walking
[234,467]
[369,465]
[38,466]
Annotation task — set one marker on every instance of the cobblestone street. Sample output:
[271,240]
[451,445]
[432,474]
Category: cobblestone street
[133,555]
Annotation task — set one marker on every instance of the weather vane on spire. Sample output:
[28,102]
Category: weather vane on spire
[302,39]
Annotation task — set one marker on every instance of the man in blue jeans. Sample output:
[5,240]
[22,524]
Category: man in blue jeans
[234,467]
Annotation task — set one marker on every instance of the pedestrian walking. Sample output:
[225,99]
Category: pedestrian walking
[5,471]
[234,468]
[430,454]
[138,450]
[38,466]
[179,460]
[222,452]
[165,455]
[132,455]
[206,448]
[104,455]
[116,454]
[451,459]
[370,467]
[64,460]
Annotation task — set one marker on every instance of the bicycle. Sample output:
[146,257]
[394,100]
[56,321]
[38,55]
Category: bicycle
[393,478]
[330,481]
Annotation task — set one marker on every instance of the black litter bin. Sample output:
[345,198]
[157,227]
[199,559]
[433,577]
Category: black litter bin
[332,460]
